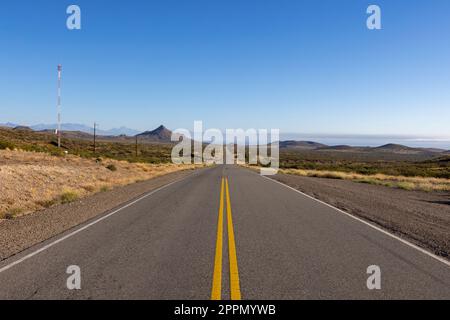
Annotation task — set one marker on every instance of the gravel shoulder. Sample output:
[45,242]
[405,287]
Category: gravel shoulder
[23,232]
[419,217]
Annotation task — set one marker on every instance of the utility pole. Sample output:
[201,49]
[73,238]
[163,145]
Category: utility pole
[95,131]
[58,107]
[136,145]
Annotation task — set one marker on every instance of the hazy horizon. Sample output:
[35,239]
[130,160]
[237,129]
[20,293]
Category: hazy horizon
[360,140]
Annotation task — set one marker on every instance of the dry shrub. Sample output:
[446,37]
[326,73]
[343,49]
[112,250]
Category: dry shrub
[11,213]
[111,167]
[401,182]
[69,196]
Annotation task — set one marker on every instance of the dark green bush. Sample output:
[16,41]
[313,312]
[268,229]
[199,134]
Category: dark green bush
[111,167]
[6,145]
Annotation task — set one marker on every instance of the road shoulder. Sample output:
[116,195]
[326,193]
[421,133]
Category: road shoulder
[419,217]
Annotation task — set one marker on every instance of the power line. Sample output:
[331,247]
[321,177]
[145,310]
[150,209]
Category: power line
[58,107]
[136,146]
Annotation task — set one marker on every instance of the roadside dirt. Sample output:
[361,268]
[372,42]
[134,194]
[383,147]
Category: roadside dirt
[23,232]
[420,217]
[31,181]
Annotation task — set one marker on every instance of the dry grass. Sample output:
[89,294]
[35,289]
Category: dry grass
[11,213]
[401,182]
[30,181]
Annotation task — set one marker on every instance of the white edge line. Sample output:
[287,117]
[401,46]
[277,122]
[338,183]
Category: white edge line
[30,255]
[432,255]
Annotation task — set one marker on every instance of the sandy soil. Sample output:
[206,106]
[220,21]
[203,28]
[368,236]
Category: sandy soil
[420,217]
[23,232]
[32,181]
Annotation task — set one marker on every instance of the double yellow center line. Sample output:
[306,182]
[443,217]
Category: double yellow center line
[235,291]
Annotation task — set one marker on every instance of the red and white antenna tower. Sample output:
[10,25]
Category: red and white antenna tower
[58,131]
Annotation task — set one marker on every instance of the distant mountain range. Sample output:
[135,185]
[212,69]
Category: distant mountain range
[387,148]
[305,145]
[77,127]
[79,131]
[161,133]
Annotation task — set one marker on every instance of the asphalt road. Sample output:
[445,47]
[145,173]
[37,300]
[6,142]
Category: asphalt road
[223,233]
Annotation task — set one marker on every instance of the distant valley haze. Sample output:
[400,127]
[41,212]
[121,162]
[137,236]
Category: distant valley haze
[77,127]
[361,140]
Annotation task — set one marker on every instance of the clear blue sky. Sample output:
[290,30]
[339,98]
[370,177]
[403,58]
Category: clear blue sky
[301,66]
